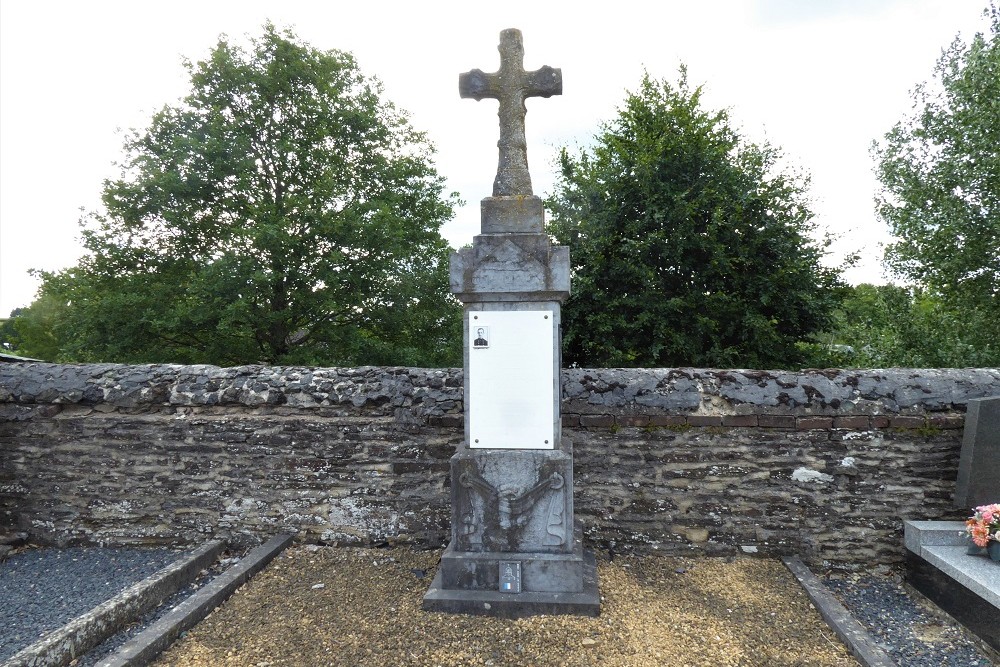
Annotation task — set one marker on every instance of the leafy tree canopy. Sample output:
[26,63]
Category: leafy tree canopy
[10,340]
[688,246]
[282,212]
[889,326]
[940,175]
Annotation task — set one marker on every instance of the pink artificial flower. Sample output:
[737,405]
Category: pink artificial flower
[984,524]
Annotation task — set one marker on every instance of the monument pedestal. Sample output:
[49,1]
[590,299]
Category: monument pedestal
[513,509]
[468,583]
[540,573]
[515,549]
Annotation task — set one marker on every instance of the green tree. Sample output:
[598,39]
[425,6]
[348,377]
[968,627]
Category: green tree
[688,246]
[888,326]
[10,340]
[939,170]
[37,328]
[282,212]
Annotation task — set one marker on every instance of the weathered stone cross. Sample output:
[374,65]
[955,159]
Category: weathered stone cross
[516,548]
[511,85]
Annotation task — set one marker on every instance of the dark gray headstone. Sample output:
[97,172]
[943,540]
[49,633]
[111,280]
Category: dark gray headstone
[979,466]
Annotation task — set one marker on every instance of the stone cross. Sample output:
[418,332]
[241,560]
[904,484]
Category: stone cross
[516,547]
[511,85]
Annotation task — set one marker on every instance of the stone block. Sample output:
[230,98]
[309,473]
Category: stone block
[540,573]
[979,464]
[448,421]
[852,422]
[520,214]
[920,534]
[551,584]
[667,420]
[907,421]
[512,501]
[776,421]
[739,420]
[510,267]
[807,423]
[704,420]
[633,420]
[946,422]
[600,421]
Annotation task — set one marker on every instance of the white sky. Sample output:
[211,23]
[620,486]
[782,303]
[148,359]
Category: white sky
[819,78]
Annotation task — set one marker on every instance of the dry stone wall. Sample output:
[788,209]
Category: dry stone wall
[826,464]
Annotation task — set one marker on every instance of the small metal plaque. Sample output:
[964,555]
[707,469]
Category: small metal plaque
[510,576]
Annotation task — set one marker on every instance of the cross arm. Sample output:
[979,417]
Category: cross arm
[477,84]
[544,82]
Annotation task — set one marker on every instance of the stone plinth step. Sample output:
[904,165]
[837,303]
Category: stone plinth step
[518,605]
[965,585]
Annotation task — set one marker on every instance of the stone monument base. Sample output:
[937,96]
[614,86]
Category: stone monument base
[469,583]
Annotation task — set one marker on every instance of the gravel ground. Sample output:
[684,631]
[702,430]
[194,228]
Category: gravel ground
[340,606]
[906,625]
[43,589]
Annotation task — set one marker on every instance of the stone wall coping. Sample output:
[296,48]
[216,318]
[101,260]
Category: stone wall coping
[823,392]
[130,386]
[736,394]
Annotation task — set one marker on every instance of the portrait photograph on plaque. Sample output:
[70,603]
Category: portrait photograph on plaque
[482,339]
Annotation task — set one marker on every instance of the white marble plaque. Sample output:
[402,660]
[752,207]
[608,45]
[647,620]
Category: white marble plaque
[511,379]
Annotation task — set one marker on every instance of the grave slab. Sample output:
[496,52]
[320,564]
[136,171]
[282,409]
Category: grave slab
[966,586]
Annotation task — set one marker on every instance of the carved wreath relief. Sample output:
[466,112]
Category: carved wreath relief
[510,517]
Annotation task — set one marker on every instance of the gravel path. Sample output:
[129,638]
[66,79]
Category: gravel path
[43,589]
[906,626]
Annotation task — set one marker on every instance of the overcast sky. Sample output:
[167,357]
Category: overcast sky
[819,78]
